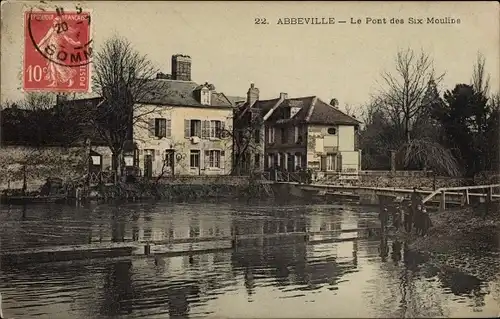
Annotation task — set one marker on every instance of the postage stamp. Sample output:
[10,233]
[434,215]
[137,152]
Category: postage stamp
[57,50]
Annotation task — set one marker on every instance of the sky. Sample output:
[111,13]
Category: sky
[342,61]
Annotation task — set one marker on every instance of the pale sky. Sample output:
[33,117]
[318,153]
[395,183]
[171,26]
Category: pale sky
[340,60]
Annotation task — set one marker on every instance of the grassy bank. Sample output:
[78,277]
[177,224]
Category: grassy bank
[177,192]
[463,241]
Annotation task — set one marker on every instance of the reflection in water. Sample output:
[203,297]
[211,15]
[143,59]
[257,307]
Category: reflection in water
[272,277]
[117,288]
[396,251]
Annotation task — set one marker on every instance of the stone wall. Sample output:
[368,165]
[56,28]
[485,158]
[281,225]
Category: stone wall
[398,179]
[206,180]
[41,163]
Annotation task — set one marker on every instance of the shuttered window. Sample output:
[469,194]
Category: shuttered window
[192,128]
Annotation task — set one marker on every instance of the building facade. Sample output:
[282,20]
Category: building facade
[186,127]
[179,127]
[303,133]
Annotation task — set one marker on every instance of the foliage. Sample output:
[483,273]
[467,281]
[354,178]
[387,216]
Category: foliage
[36,121]
[451,135]
[469,125]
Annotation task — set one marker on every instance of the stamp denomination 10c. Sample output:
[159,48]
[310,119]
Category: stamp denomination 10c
[57,51]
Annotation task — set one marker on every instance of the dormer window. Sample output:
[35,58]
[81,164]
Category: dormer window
[205,96]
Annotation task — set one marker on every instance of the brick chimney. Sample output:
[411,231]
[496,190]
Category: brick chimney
[252,94]
[181,67]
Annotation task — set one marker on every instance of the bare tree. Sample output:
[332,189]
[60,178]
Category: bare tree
[246,137]
[403,92]
[125,79]
[352,110]
[480,80]
[405,101]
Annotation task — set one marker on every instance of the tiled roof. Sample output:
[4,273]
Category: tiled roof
[323,113]
[236,100]
[312,110]
[265,105]
[178,93]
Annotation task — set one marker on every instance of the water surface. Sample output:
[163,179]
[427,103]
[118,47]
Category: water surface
[261,278]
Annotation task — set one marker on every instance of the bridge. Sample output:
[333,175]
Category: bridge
[296,185]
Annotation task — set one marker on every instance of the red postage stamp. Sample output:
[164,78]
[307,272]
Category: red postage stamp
[57,51]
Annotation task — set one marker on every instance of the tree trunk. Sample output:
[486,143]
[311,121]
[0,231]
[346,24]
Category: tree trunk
[118,172]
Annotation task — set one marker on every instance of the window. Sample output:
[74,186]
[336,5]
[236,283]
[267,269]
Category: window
[256,136]
[160,127]
[205,96]
[192,128]
[194,158]
[298,160]
[330,162]
[270,160]
[332,130]
[215,129]
[257,160]
[297,134]
[214,158]
[284,135]
[270,135]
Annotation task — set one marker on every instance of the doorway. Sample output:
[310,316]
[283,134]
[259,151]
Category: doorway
[148,166]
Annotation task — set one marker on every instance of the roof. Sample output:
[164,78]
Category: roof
[178,93]
[312,110]
[236,100]
[323,113]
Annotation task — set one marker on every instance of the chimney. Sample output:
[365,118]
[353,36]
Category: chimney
[334,102]
[181,67]
[252,94]
[283,96]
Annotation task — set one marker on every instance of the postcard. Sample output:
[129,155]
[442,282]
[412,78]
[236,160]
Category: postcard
[253,159]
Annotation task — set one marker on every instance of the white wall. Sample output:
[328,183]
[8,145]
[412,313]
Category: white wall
[181,144]
[345,138]
[350,161]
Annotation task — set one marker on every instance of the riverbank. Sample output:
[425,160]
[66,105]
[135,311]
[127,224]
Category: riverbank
[176,192]
[462,242]
[176,189]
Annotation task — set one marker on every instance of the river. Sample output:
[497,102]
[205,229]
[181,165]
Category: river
[261,278]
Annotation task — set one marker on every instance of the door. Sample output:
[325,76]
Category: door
[291,163]
[148,166]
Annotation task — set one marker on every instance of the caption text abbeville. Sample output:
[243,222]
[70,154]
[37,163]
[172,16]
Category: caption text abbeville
[358,20]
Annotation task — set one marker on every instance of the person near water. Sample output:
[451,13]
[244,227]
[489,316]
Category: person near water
[408,217]
[417,219]
[383,217]
[396,216]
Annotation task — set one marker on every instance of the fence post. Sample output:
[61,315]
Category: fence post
[489,198]
[465,197]
[442,205]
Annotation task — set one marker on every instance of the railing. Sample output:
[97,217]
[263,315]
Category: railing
[465,193]
[102,177]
